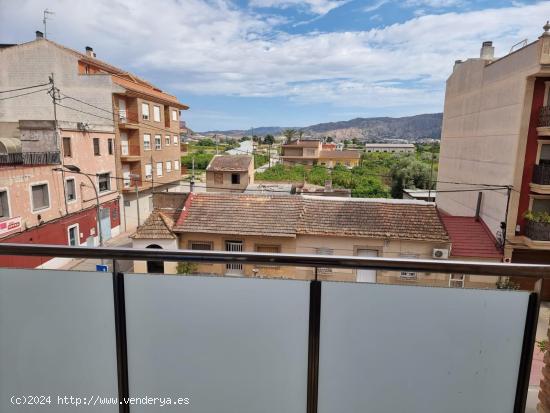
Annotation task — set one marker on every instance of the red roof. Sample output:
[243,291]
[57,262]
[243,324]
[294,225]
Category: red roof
[470,238]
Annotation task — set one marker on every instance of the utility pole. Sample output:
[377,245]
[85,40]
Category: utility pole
[44,20]
[216,137]
[136,177]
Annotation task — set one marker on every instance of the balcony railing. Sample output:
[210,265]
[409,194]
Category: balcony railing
[31,158]
[544,116]
[537,231]
[541,174]
[247,345]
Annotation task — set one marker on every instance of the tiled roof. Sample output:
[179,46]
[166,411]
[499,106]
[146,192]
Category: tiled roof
[157,226]
[372,219]
[240,214]
[470,238]
[339,154]
[148,90]
[288,215]
[230,163]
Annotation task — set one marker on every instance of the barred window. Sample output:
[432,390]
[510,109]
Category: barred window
[200,245]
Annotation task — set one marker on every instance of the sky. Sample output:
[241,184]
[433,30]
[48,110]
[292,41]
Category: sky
[240,64]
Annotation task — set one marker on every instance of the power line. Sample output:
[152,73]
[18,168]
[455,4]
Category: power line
[23,88]
[85,103]
[25,94]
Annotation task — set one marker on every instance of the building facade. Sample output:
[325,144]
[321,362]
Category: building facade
[390,147]
[230,173]
[312,152]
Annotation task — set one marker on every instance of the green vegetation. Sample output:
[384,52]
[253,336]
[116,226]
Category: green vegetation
[260,159]
[534,216]
[380,175]
[202,159]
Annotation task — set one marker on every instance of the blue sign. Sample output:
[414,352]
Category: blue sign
[102,268]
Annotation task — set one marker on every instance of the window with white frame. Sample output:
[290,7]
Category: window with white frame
[73,235]
[70,190]
[456,280]
[176,165]
[175,140]
[146,142]
[148,171]
[159,168]
[40,197]
[104,182]
[168,166]
[156,113]
[167,140]
[174,114]
[4,204]
[145,111]
[158,142]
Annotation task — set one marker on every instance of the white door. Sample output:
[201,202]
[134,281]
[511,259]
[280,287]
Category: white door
[363,275]
[126,175]
[124,143]
[233,268]
[122,110]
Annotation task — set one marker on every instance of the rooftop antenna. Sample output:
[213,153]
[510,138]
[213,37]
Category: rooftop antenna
[45,20]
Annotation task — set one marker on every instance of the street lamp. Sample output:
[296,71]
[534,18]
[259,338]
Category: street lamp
[76,169]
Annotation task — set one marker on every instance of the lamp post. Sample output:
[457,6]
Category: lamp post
[76,169]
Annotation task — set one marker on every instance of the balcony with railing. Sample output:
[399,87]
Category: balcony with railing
[537,230]
[31,158]
[245,344]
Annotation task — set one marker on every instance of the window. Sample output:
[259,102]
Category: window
[269,249]
[200,245]
[73,235]
[218,178]
[4,206]
[145,111]
[146,142]
[40,197]
[541,205]
[148,171]
[456,280]
[324,251]
[67,147]
[544,154]
[408,275]
[159,168]
[158,142]
[175,140]
[70,190]
[96,147]
[174,114]
[156,113]
[110,146]
[104,182]
[168,166]
[176,165]
[167,140]
[235,179]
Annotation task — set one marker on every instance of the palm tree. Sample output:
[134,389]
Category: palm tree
[289,134]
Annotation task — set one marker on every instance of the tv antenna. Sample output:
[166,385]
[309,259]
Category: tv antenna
[45,20]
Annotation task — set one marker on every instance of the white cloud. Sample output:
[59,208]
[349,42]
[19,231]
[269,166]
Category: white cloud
[214,48]
[375,5]
[433,3]
[315,6]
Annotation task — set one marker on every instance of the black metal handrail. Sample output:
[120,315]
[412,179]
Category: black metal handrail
[544,116]
[31,158]
[535,271]
[541,174]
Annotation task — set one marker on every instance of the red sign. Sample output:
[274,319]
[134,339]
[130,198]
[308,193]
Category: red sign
[10,225]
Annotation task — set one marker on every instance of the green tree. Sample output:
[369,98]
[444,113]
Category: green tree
[269,140]
[329,139]
[409,172]
[289,134]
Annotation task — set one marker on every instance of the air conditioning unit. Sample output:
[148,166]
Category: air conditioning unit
[440,253]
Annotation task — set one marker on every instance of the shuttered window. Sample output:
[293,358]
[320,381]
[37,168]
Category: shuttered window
[40,197]
[4,208]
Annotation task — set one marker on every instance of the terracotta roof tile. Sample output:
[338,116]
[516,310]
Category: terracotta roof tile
[228,163]
[157,226]
[470,238]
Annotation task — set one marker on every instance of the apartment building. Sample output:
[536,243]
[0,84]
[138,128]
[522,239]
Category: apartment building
[496,145]
[299,224]
[53,160]
[312,152]
[229,173]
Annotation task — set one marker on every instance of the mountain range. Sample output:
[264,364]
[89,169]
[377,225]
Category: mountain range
[408,128]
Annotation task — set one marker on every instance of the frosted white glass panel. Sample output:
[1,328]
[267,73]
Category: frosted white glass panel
[401,349]
[232,345]
[57,337]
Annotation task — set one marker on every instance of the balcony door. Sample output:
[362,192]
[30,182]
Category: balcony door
[234,268]
[366,275]
[124,143]
[126,175]
[122,110]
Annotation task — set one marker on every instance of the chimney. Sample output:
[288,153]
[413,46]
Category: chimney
[487,51]
[546,28]
[328,185]
[39,35]
[90,52]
